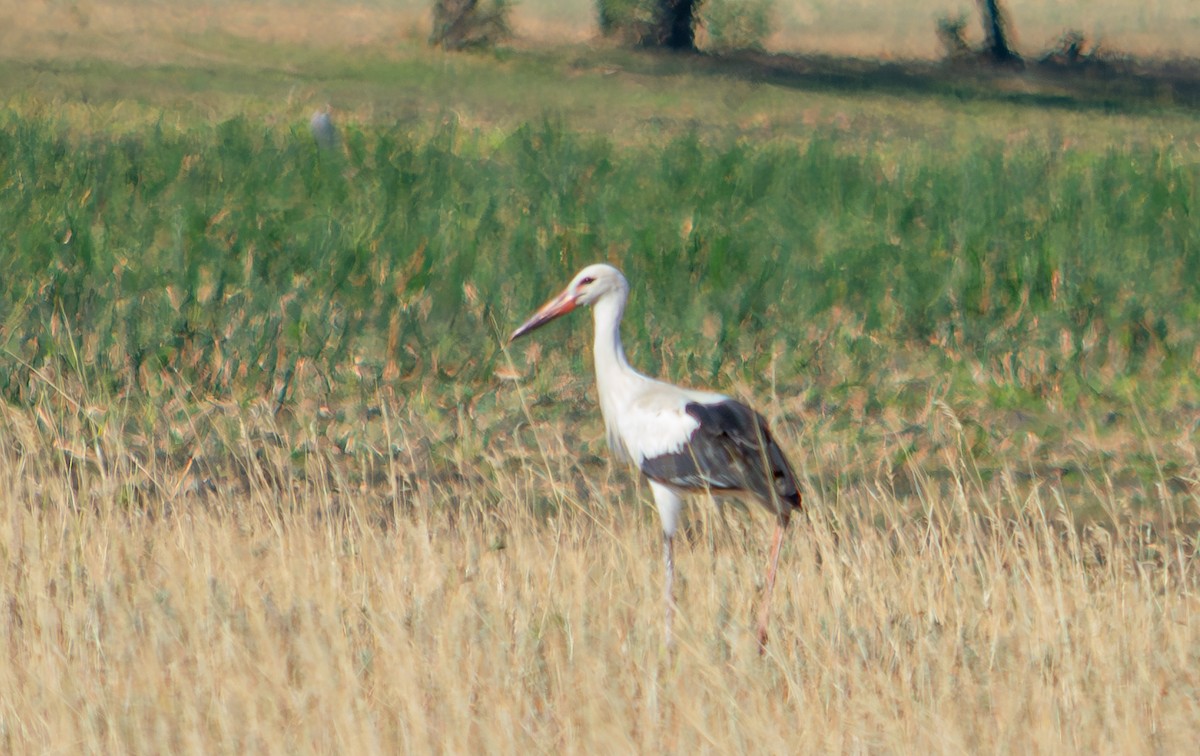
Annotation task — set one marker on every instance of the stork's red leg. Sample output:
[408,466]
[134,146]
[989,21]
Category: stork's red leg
[764,611]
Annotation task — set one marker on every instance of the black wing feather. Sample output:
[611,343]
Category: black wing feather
[732,450]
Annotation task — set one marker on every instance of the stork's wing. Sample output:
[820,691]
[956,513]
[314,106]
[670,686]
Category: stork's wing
[730,450]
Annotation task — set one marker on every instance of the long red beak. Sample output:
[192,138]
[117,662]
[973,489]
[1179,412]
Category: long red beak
[560,305]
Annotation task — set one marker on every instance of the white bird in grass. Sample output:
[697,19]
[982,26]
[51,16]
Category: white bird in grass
[322,128]
[684,441]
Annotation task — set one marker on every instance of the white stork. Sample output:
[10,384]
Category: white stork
[322,128]
[684,441]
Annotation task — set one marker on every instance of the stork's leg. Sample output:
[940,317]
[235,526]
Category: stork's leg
[669,505]
[764,611]
[668,579]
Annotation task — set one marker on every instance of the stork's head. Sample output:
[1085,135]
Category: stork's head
[589,286]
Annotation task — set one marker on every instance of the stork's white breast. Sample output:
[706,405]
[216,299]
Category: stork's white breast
[654,420]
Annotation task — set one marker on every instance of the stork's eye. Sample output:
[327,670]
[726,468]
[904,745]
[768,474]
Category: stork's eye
[587,280]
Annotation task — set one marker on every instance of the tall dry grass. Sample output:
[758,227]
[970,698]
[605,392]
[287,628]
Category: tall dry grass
[436,591]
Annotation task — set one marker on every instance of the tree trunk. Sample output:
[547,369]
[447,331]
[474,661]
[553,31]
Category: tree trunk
[677,24]
[995,28]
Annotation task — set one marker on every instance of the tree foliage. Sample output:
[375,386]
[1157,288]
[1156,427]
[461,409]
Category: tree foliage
[737,24]
[462,24]
[654,23]
[675,24]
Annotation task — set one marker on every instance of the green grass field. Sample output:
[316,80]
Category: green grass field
[273,481]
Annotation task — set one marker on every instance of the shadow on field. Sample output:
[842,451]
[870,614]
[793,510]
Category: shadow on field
[1110,84]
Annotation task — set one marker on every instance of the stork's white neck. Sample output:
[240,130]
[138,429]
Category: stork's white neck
[616,382]
[611,365]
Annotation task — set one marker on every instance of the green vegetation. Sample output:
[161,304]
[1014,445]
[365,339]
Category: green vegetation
[1023,276]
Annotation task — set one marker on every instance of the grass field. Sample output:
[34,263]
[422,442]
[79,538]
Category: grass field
[272,481]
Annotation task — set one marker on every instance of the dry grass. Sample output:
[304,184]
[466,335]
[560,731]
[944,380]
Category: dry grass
[150,30]
[904,30]
[461,594]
